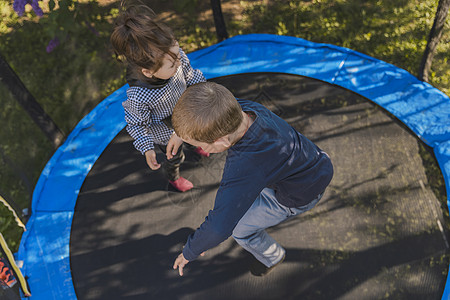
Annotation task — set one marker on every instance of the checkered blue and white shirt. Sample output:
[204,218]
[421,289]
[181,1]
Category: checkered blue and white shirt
[146,107]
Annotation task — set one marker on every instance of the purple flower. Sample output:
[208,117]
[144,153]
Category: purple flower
[91,28]
[19,7]
[52,44]
[37,10]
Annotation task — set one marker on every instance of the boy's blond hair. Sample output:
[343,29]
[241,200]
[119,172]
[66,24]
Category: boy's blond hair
[140,39]
[206,112]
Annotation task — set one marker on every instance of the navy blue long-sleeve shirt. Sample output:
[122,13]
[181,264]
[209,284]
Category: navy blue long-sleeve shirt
[270,154]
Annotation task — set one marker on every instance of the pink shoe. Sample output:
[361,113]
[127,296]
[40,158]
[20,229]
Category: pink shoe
[202,152]
[182,184]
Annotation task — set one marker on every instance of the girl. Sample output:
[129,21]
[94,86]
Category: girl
[158,73]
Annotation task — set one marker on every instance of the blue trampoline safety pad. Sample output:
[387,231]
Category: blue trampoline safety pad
[44,248]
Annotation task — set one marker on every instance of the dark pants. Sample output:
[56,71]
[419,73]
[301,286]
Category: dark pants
[172,166]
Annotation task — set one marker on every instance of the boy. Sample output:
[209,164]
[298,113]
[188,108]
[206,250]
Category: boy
[272,173]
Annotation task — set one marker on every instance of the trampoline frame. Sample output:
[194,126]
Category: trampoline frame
[44,247]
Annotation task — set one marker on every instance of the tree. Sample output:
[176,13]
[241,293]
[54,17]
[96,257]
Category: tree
[434,38]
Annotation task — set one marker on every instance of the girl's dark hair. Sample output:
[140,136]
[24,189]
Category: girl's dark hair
[141,40]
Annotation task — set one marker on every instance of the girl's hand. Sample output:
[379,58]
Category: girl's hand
[150,157]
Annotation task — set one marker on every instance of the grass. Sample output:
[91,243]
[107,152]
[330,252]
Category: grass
[82,71]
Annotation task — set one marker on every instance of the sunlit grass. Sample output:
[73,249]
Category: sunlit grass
[393,31]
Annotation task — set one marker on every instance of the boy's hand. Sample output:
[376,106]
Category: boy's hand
[173,145]
[180,263]
[150,157]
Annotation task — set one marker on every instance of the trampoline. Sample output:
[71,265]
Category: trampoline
[103,226]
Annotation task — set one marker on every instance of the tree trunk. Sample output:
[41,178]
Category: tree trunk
[221,29]
[433,39]
[29,103]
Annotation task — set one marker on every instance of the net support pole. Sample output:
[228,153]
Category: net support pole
[29,103]
[433,39]
[221,29]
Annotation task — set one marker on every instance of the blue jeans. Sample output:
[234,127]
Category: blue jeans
[265,212]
